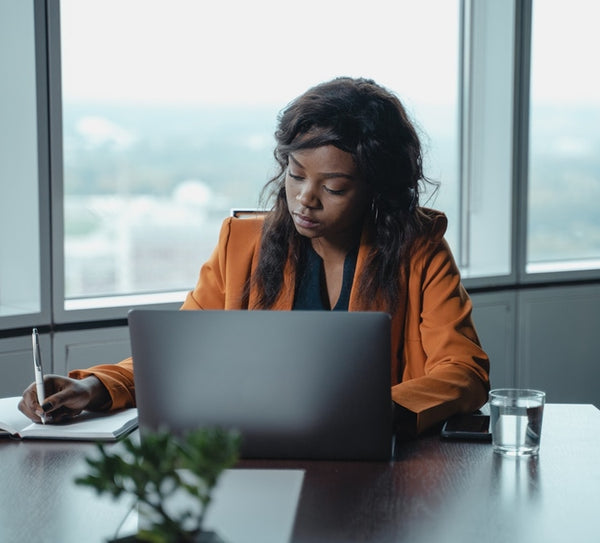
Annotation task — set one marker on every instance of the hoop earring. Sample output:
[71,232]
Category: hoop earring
[374,211]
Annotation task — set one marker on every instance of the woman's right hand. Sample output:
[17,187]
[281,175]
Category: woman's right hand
[65,398]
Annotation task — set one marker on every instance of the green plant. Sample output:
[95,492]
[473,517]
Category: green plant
[157,467]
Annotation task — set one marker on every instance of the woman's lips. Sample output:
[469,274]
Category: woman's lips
[305,222]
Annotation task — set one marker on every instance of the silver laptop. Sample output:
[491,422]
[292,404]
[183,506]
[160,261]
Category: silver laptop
[296,384]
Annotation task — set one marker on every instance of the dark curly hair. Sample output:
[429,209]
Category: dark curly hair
[369,122]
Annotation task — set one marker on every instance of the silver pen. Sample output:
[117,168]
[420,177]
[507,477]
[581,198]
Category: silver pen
[37,368]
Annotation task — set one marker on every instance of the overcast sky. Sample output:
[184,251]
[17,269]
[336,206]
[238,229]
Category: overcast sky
[265,51]
[269,51]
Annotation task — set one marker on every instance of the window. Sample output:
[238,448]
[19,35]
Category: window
[128,134]
[168,112]
[161,121]
[564,162]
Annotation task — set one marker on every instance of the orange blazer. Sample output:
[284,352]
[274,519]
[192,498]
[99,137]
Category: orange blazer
[438,367]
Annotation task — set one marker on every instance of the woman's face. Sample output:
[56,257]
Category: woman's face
[326,196]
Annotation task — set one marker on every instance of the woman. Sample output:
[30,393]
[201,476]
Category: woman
[345,232]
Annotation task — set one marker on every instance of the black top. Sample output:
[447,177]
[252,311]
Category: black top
[311,289]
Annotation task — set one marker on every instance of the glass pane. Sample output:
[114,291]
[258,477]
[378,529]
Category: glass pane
[169,110]
[564,162]
[487,140]
[20,291]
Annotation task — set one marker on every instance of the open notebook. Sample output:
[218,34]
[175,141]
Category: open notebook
[296,384]
[87,426]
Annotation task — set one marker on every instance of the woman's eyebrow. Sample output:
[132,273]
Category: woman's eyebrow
[293,158]
[326,175]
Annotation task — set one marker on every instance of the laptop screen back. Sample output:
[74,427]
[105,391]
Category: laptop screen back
[296,384]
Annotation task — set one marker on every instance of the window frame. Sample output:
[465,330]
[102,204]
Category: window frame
[474,81]
[484,132]
[92,309]
[524,25]
[50,181]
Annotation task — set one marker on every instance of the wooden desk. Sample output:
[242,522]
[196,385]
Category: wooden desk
[434,492]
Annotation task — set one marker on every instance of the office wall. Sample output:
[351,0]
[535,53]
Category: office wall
[495,319]
[546,338]
[559,343]
[16,363]
[84,348]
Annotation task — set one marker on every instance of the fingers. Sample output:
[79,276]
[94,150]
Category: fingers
[59,414]
[68,399]
[29,405]
[64,399]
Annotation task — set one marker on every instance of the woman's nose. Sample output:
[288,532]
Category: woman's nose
[307,197]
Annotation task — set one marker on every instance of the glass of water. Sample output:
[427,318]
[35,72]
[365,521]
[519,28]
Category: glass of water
[516,420]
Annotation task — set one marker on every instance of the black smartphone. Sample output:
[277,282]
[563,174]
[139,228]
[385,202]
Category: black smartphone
[473,426]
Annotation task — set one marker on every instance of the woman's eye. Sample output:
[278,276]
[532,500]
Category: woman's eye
[295,176]
[334,192]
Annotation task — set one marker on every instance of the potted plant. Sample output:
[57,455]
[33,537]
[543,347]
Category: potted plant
[158,467]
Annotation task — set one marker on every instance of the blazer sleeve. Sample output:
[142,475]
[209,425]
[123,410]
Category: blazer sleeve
[118,380]
[446,371]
